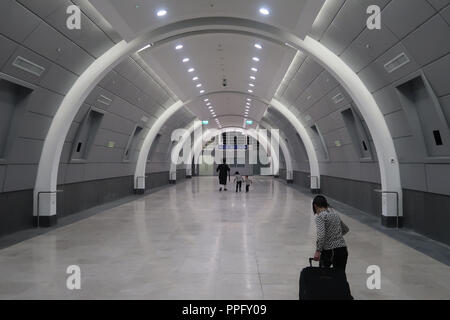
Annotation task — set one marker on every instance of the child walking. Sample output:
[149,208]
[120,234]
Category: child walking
[248,182]
[238,179]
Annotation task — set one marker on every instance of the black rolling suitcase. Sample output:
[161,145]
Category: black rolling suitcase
[321,283]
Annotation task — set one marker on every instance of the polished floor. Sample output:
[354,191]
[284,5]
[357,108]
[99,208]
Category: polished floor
[191,242]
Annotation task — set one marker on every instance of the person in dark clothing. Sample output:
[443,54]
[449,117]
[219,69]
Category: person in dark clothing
[224,171]
[331,248]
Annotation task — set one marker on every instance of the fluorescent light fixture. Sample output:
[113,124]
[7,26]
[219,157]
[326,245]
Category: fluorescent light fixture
[251,91]
[179,47]
[253,77]
[202,91]
[195,78]
[210,107]
[206,100]
[255,59]
[258,46]
[251,84]
[146,47]
[254,70]
[264,11]
[199,85]
[161,13]
[186,60]
[191,70]
[248,99]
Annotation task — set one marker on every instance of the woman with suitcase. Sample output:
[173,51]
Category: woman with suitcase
[331,248]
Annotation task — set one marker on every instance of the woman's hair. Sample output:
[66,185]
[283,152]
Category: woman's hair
[320,202]
[237,172]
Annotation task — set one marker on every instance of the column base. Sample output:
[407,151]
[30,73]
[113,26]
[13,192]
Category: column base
[315,191]
[173,181]
[391,222]
[45,221]
[188,177]
[139,191]
[290,181]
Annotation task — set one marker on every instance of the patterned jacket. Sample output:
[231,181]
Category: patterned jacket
[330,231]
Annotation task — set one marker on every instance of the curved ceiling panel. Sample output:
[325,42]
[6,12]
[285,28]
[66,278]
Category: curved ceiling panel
[131,19]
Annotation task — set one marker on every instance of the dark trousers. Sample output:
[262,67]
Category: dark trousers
[247,188]
[238,186]
[336,257]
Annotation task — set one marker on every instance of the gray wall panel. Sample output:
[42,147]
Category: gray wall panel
[438,176]
[20,177]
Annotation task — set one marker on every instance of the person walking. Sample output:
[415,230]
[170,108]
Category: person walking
[248,182]
[238,181]
[224,171]
[331,248]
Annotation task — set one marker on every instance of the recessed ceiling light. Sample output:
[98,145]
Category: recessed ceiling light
[191,70]
[195,78]
[254,70]
[258,46]
[199,85]
[186,60]
[264,11]
[255,59]
[251,84]
[179,46]
[161,13]
[252,77]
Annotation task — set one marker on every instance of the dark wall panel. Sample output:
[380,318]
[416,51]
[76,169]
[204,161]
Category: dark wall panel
[16,211]
[156,179]
[427,214]
[358,194]
[302,179]
[16,208]
[181,174]
[87,194]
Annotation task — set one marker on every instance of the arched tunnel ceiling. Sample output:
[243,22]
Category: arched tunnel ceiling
[216,57]
[131,18]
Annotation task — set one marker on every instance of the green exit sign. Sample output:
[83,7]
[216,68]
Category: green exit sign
[249,122]
[205,122]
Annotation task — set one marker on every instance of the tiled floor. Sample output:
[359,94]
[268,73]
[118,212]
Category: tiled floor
[192,242]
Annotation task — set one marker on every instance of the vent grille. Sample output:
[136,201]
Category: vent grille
[28,66]
[104,100]
[396,63]
[338,98]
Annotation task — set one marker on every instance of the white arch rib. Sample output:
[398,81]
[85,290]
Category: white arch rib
[286,153]
[139,173]
[51,152]
[185,138]
[198,145]
[309,146]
